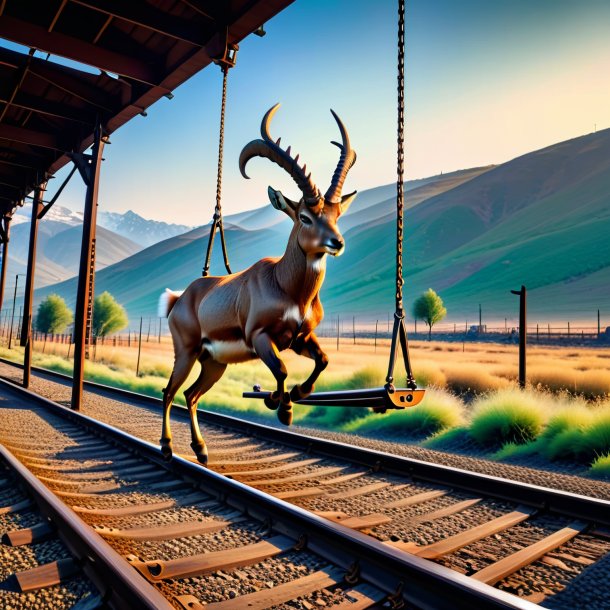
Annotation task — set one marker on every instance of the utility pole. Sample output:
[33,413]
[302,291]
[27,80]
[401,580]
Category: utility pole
[522,333]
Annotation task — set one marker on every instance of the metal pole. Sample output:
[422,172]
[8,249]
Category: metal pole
[159,330]
[139,349]
[522,333]
[480,319]
[7,228]
[26,329]
[354,328]
[89,167]
[10,334]
[599,328]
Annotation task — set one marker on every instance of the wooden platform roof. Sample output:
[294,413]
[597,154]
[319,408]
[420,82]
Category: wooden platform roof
[141,50]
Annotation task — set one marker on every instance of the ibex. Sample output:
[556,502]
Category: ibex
[271,306]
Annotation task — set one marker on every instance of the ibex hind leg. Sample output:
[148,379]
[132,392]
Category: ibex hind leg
[211,372]
[182,367]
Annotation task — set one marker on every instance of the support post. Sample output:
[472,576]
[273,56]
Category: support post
[139,349]
[522,334]
[599,329]
[5,240]
[89,168]
[10,334]
[26,329]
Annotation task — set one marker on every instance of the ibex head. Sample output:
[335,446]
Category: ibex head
[315,216]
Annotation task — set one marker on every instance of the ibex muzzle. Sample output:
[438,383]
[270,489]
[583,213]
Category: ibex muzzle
[271,306]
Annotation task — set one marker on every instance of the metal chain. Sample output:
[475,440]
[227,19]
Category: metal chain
[400,158]
[217,219]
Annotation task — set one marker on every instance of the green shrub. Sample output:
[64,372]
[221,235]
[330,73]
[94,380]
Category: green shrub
[601,466]
[507,416]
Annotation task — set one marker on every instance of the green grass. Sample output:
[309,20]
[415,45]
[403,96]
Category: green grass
[507,416]
[601,466]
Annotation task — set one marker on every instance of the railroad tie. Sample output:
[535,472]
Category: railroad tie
[206,563]
[272,469]
[13,508]
[47,575]
[360,597]
[357,491]
[305,476]
[197,499]
[29,535]
[356,523]
[260,457]
[169,531]
[417,498]
[510,564]
[446,511]
[453,543]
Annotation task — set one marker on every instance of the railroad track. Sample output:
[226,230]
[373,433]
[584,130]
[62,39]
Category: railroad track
[200,537]
[521,538]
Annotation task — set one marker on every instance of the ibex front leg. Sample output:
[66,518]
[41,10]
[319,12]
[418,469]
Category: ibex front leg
[310,348]
[211,372]
[268,353]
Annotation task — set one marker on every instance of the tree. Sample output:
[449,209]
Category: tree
[429,308]
[108,315]
[53,315]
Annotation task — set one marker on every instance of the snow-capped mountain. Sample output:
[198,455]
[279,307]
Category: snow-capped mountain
[138,229]
[56,213]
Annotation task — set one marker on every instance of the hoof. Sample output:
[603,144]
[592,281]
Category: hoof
[201,452]
[166,450]
[272,401]
[297,393]
[284,414]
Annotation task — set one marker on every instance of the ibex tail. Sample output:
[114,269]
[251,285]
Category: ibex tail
[166,301]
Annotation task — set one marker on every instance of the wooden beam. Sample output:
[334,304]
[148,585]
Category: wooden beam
[39,105]
[146,16]
[78,50]
[32,138]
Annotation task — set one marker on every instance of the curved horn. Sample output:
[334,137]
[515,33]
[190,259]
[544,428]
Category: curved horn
[346,160]
[271,150]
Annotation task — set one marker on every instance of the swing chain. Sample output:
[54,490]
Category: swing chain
[399,332]
[400,158]
[217,218]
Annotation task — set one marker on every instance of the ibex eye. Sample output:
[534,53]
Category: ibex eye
[305,219]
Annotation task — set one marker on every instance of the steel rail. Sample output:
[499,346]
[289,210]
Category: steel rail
[402,576]
[593,510]
[120,586]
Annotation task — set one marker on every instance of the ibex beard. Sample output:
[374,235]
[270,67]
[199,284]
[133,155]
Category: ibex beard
[271,306]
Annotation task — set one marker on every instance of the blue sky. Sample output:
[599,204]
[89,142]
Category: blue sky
[486,81]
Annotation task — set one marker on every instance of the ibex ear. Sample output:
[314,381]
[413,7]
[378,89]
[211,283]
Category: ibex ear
[279,202]
[346,201]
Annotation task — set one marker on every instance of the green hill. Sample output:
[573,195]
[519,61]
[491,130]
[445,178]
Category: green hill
[541,220]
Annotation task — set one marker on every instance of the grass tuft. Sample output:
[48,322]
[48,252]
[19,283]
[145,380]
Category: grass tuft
[601,466]
[507,416]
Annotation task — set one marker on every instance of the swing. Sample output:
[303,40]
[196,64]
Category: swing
[388,396]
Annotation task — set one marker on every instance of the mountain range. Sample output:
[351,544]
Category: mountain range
[59,241]
[541,220]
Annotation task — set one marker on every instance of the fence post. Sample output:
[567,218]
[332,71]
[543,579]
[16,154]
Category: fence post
[159,330]
[338,331]
[599,328]
[537,334]
[568,330]
[354,328]
[376,325]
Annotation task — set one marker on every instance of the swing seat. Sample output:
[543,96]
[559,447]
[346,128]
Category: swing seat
[377,398]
